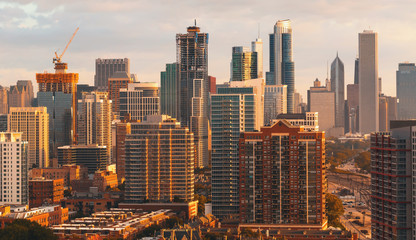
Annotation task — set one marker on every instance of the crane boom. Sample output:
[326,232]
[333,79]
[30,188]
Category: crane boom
[58,59]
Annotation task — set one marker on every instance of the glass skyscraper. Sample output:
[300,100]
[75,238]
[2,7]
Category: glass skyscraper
[406,88]
[282,67]
[169,90]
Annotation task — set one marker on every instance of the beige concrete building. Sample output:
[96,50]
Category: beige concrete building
[33,122]
[21,94]
[94,120]
[369,84]
[322,100]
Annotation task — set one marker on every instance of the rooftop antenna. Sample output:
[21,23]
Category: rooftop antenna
[195,22]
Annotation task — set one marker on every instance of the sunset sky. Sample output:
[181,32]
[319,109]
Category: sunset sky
[144,31]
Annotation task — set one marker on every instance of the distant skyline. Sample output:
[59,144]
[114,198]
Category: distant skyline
[145,31]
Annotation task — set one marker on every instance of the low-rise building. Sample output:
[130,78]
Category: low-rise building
[45,215]
[66,172]
[45,191]
[104,179]
[89,203]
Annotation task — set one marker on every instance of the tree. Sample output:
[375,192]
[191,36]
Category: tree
[23,229]
[334,210]
[363,161]
[201,203]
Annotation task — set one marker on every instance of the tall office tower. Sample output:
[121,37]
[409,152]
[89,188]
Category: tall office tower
[243,64]
[266,165]
[392,168]
[338,87]
[369,85]
[212,84]
[21,94]
[153,173]
[58,93]
[139,100]
[14,166]
[169,90]
[356,71]
[275,97]
[92,157]
[257,47]
[81,88]
[353,96]
[94,120]
[282,67]
[4,96]
[116,82]
[192,59]
[405,90]
[322,100]
[105,68]
[33,122]
[234,109]
[197,125]
[4,122]
[388,111]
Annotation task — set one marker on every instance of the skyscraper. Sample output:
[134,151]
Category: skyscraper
[243,64]
[139,100]
[58,93]
[94,120]
[275,97]
[322,100]
[356,71]
[234,109]
[153,172]
[368,81]
[105,68]
[266,166]
[353,96]
[33,122]
[392,168]
[338,87]
[169,90]
[388,111]
[21,94]
[257,47]
[192,59]
[197,125]
[405,90]
[14,166]
[116,82]
[4,96]
[282,67]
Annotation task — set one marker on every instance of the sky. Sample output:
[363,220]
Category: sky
[145,31]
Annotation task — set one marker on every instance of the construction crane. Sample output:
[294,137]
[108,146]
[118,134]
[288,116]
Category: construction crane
[57,59]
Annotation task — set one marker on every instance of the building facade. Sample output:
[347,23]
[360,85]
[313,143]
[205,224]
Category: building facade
[275,101]
[405,89]
[322,100]
[92,157]
[257,47]
[117,81]
[169,90]
[353,96]
[94,120]
[309,120]
[159,161]
[33,122]
[45,191]
[105,68]
[282,67]
[234,109]
[21,94]
[387,111]
[4,100]
[139,100]
[15,167]
[369,84]
[338,87]
[243,64]
[282,176]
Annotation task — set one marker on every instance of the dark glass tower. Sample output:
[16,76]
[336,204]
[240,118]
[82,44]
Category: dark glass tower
[337,86]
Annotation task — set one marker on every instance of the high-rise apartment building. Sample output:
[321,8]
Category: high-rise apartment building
[14,167]
[159,161]
[192,59]
[94,120]
[368,81]
[405,90]
[282,67]
[58,93]
[282,176]
[338,87]
[139,100]
[4,100]
[234,109]
[21,94]
[33,122]
[169,90]
[105,68]
[243,64]
[257,47]
[116,82]
[392,168]
[322,100]
[275,97]
[92,157]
